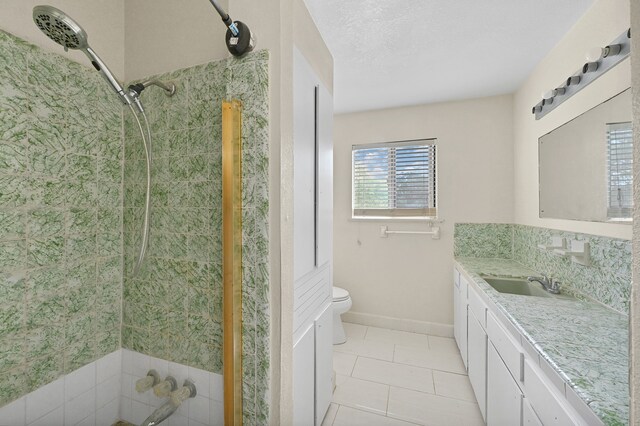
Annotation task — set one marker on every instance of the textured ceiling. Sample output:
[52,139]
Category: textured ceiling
[390,53]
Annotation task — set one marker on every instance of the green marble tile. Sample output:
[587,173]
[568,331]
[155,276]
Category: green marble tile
[41,371]
[13,158]
[81,220]
[81,299]
[45,251]
[78,355]
[48,339]
[13,384]
[12,225]
[13,191]
[81,194]
[198,301]
[46,222]
[12,254]
[13,352]
[46,282]
[107,342]
[80,328]
[46,311]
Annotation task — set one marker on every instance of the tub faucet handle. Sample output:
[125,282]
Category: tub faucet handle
[165,387]
[146,383]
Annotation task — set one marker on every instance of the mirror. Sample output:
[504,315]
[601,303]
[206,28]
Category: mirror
[586,165]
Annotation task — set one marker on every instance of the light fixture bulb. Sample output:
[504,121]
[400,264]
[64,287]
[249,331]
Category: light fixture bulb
[595,54]
[612,50]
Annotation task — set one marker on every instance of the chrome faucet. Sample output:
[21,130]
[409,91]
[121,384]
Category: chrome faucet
[549,284]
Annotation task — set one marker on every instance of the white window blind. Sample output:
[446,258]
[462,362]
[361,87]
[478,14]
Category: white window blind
[620,170]
[395,179]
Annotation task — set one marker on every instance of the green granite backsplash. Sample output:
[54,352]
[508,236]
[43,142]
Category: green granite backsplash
[607,280]
[173,308]
[61,165]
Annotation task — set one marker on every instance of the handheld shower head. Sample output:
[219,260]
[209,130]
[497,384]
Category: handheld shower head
[59,27]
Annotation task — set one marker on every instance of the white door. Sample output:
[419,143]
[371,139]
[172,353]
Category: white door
[303,379]
[477,361]
[324,362]
[504,399]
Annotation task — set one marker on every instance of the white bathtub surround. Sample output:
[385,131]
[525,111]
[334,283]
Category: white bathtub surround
[205,409]
[86,396]
[103,392]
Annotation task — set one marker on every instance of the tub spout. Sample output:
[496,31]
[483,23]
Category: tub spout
[161,414]
[188,390]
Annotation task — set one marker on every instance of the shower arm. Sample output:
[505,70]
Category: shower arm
[225,18]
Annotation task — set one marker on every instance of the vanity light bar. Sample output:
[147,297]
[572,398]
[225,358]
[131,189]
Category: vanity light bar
[600,60]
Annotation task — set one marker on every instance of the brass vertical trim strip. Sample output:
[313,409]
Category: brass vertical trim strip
[232,259]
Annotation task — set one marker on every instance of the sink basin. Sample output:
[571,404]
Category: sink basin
[517,286]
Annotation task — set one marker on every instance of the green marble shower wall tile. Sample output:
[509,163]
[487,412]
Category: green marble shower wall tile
[183,272]
[607,279]
[60,137]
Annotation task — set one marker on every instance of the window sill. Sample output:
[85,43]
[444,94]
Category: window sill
[394,219]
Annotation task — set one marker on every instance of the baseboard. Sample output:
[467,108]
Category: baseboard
[413,326]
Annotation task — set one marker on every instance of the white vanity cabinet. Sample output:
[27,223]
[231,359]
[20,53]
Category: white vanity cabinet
[510,385]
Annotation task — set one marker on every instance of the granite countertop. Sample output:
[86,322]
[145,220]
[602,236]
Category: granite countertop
[584,341]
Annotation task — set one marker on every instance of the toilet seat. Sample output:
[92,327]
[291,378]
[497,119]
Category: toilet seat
[340,294]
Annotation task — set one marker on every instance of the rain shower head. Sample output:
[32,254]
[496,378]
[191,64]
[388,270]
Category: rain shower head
[59,27]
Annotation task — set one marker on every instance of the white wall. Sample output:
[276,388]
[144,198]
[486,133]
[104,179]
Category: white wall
[103,20]
[409,276]
[165,35]
[602,23]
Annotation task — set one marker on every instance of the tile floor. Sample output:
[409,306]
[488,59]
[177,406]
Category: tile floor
[395,378]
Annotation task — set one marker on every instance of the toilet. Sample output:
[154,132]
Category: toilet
[341,304]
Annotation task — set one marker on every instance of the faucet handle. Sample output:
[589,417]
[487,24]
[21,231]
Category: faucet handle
[555,284]
[164,388]
[150,380]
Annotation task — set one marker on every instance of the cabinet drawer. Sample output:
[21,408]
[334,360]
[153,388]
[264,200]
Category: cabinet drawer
[509,350]
[478,307]
[550,407]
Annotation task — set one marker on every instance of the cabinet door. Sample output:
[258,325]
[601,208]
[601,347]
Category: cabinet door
[304,163]
[325,175]
[477,361]
[303,379]
[504,399]
[529,417]
[548,403]
[462,320]
[324,362]
[456,308]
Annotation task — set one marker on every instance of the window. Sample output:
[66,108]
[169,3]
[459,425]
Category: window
[396,179]
[620,170]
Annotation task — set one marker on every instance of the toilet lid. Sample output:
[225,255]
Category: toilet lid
[340,294]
